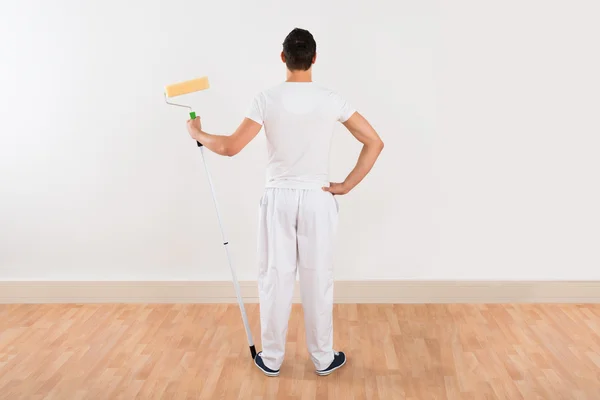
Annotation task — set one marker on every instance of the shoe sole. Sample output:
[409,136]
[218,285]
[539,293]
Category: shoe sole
[325,373]
[267,373]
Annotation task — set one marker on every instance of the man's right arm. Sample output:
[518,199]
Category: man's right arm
[360,128]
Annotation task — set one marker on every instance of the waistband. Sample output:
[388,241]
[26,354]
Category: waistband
[294,184]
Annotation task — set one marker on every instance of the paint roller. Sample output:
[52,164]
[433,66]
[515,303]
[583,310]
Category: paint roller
[195,85]
[181,88]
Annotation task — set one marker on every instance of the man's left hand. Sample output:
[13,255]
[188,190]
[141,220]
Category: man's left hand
[337,188]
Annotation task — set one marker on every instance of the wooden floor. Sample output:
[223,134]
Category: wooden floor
[394,352]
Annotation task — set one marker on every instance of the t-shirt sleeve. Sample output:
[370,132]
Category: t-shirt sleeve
[343,108]
[256,111]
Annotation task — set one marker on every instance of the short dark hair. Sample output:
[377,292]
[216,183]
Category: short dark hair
[299,48]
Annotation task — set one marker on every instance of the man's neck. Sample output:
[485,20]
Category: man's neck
[299,76]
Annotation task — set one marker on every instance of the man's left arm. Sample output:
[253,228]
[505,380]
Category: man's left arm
[225,145]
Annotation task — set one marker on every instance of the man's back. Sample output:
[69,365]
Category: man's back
[299,119]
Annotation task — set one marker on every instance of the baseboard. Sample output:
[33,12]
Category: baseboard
[345,292]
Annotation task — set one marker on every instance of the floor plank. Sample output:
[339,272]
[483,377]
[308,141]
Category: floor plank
[176,351]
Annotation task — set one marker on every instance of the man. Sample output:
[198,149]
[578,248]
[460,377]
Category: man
[298,211]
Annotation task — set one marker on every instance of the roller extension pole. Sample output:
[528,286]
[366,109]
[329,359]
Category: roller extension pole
[191,86]
[236,285]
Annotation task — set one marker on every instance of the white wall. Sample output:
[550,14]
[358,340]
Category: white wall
[489,111]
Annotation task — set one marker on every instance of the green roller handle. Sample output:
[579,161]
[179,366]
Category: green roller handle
[193,116]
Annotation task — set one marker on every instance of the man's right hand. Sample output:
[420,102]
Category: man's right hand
[337,188]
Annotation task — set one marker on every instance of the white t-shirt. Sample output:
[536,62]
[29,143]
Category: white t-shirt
[299,119]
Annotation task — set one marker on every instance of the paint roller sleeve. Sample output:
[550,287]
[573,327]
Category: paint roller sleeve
[195,85]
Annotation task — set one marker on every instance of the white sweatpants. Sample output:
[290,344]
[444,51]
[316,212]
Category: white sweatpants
[296,233]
